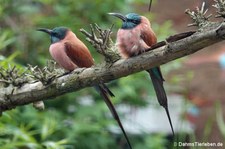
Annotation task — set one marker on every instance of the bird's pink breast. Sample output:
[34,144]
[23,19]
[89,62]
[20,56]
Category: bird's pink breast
[129,42]
[57,51]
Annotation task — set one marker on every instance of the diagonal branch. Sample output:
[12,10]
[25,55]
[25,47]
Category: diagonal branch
[162,53]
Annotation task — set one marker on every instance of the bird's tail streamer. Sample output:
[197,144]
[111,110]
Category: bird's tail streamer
[157,81]
[104,92]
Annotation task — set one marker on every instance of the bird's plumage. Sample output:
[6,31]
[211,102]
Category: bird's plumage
[131,42]
[78,52]
[70,53]
[133,38]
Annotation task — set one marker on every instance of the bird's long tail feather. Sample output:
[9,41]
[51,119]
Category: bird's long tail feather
[104,92]
[107,90]
[157,81]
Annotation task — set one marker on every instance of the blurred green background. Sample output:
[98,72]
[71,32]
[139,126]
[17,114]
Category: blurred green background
[67,123]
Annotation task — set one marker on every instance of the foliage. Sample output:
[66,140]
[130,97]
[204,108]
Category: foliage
[67,122]
[219,118]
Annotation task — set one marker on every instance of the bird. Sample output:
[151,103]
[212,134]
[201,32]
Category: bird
[135,37]
[71,53]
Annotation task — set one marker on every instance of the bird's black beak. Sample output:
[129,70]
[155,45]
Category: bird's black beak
[118,15]
[48,31]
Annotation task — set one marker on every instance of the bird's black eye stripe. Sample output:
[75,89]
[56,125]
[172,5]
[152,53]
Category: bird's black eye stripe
[133,21]
[55,34]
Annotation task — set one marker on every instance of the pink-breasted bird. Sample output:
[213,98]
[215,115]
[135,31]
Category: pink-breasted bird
[133,38]
[71,53]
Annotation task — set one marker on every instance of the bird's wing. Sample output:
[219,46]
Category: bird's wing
[79,54]
[148,36]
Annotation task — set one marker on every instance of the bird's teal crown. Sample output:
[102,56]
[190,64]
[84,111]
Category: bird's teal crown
[132,20]
[58,34]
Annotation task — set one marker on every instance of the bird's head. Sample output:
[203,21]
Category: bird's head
[56,34]
[130,21]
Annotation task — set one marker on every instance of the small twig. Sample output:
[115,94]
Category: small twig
[107,39]
[199,16]
[2,73]
[101,41]
[5,81]
[11,70]
[150,5]
[47,74]
[14,76]
[220,5]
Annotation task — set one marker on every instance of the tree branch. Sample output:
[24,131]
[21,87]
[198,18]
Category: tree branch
[11,96]
[177,46]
